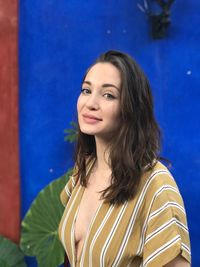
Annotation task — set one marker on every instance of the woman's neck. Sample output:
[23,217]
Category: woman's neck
[102,153]
[100,175]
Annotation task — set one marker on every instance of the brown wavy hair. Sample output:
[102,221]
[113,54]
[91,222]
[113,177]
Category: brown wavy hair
[136,145]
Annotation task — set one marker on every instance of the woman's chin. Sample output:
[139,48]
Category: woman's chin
[89,132]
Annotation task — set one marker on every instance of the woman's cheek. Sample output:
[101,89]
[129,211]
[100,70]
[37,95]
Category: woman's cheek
[79,103]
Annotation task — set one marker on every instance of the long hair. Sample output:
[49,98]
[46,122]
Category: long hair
[136,145]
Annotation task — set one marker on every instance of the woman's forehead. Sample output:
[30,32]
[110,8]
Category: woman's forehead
[104,73]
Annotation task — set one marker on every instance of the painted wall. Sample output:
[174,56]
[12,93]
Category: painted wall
[9,160]
[60,39]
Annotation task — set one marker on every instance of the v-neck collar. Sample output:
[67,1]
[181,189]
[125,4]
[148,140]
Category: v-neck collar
[85,241]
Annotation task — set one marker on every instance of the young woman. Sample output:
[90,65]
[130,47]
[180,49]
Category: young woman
[123,207]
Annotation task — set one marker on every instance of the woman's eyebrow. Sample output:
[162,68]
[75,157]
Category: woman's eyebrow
[103,85]
[110,85]
[87,82]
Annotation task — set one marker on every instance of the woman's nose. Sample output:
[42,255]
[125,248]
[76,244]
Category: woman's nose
[92,102]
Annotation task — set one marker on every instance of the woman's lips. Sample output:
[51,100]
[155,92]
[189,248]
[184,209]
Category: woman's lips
[91,119]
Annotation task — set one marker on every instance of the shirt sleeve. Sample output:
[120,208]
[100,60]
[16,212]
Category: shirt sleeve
[166,234]
[67,190]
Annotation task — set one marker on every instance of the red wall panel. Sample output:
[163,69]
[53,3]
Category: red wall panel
[9,166]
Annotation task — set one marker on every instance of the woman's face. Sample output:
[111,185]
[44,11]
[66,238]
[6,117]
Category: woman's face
[98,105]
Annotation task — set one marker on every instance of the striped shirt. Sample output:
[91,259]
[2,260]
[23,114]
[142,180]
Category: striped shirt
[148,231]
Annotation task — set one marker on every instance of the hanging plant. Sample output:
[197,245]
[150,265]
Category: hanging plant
[39,235]
[71,134]
[10,254]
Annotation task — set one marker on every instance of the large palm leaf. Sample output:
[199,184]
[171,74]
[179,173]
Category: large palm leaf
[10,254]
[40,226]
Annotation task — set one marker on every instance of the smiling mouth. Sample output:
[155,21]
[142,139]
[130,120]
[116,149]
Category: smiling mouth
[90,119]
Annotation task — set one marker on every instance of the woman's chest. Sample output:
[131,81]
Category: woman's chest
[106,231]
[89,204]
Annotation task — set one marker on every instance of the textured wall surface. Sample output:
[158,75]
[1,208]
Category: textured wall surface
[60,39]
[9,167]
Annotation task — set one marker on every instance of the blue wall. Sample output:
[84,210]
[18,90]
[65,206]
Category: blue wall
[60,39]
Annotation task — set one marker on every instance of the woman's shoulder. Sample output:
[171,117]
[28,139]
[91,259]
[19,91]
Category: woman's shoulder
[157,171]
[158,178]
[69,187]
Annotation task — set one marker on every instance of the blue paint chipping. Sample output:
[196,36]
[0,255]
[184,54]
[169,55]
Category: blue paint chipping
[58,40]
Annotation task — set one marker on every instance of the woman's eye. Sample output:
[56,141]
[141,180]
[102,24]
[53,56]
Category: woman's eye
[85,91]
[109,96]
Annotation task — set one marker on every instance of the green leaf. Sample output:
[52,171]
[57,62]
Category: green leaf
[10,254]
[71,134]
[39,235]
[3,264]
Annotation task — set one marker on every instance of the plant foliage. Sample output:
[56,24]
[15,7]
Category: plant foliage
[39,235]
[71,134]
[10,254]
